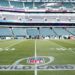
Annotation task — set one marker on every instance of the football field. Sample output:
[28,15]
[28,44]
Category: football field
[37,57]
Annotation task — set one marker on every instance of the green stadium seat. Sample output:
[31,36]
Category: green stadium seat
[39,5]
[68,5]
[16,4]
[28,5]
[4,3]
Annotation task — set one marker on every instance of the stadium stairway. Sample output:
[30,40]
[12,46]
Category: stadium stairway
[19,32]
[46,32]
[5,32]
[61,31]
[71,31]
[55,32]
[32,32]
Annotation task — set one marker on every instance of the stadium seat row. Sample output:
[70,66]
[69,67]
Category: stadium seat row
[31,5]
[33,32]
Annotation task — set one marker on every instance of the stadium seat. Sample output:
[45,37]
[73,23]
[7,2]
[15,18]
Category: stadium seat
[33,32]
[46,32]
[19,32]
[4,3]
[71,30]
[28,5]
[16,4]
[5,32]
[61,31]
[39,5]
[68,5]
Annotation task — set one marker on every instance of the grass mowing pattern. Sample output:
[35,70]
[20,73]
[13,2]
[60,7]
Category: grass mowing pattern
[61,57]
[25,48]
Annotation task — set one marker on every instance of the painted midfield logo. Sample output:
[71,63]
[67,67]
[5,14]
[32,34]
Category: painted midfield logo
[37,60]
[41,62]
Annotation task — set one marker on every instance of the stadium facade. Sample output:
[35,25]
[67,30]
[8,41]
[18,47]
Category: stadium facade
[48,19]
[29,37]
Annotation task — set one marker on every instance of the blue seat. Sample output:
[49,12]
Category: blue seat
[16,4]
[5,32]
[4,3]
[32,32]
[28,5]
[39,5]
[61,31]
[72,30]
[19,31]
[46,32]
[68,5]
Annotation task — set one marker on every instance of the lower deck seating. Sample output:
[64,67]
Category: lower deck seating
[5,32]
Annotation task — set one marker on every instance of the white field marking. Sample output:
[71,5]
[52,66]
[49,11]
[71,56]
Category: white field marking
[35,49]
[65,47]
[14,44]
[72,51]
[1,49]
[35,72]
[51,59]
[61,47]
[7,49]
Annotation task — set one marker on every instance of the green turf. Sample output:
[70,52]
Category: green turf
[26,48]
[56,73]
[61,57]
[17,73]
[23,49]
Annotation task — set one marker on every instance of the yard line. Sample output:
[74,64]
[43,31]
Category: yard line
[72,51]
[14,43]
[35,49]
[35,72]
